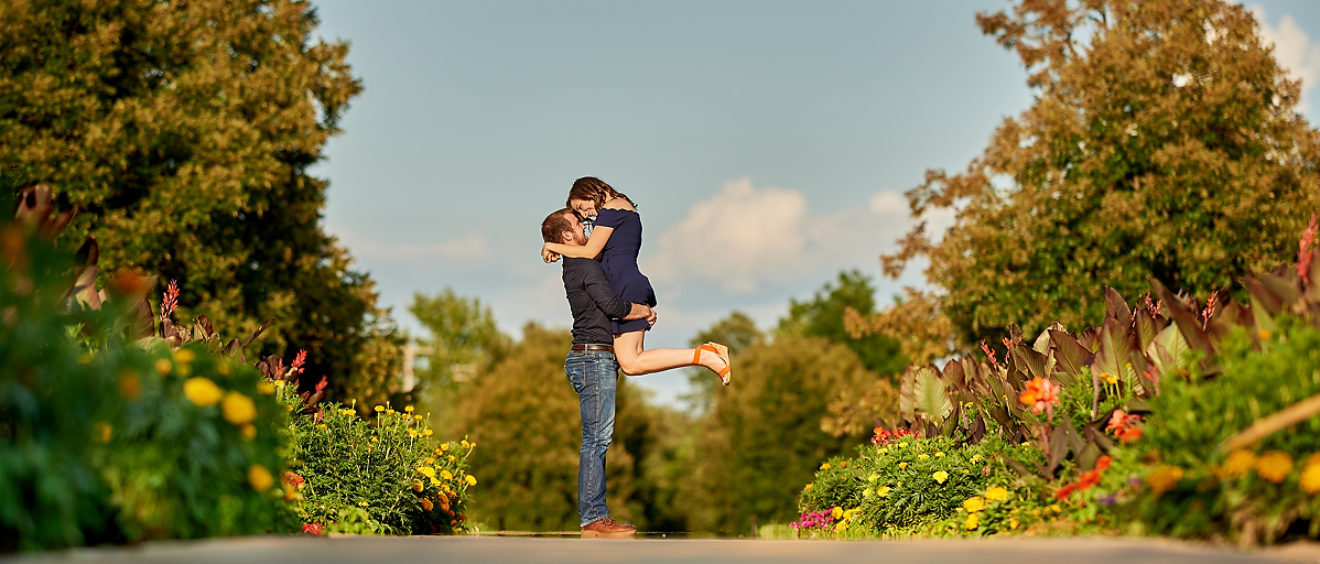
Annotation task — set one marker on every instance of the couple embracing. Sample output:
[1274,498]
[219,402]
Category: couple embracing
[611,301]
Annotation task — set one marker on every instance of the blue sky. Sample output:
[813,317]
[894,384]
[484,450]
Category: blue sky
[766,142]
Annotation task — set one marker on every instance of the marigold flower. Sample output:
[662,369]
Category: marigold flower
[836,512]
[806,488]
[163,366]
[418,487]
[260,478]
[427,505]
[130,386]
[266,388]
[184,356]
[1109,378]
[940,476]
[973,504]
[882,491]
[379,408]
[976,458]
[872,477]
[972,522]
[428,471]
[248,431]
[1164,478]
[1130,434]
[1310,480]
[1088,479]
[996,493]
[923,456]
[1274,466]
[1238,464]
[447,475]
[427,432]
[471,480]
[201,391]
[1065,491]
[902,466]
[238,409]
[825,466]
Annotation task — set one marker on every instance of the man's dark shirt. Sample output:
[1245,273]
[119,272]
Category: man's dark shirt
[592,301]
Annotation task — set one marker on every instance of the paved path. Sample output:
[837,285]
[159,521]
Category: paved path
[495,550]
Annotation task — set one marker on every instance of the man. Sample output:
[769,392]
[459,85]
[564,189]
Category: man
[592,369]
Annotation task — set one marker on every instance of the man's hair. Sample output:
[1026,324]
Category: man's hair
[554,226]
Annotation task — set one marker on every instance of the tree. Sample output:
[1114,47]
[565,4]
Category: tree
[183,134]
[463,335]
[525,418]
[1163,142]
[763,440]
[824,315]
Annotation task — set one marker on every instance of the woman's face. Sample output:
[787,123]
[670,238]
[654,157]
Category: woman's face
[584,208]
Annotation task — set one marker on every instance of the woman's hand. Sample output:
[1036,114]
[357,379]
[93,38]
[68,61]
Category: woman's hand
[548,255]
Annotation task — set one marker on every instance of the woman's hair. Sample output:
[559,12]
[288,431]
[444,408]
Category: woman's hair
[596,190]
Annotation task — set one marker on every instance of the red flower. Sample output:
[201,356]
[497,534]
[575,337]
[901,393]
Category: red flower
[1088,479]
[293,479]
[299,360]
[169,300]
[1065,491]
[1129,434]
[1103,462]
[313,528]
[1306,249]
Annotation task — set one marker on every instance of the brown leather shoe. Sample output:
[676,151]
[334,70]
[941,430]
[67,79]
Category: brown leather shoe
[606,528]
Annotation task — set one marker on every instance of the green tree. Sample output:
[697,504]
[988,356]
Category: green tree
[462,337]
[1164,141]
[525,418]
[763,440]
[824,314]
[183,133]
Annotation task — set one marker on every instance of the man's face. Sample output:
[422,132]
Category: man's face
[579,234]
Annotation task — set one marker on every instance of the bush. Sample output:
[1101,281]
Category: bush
[922,486]
[387,477]
[1259,493]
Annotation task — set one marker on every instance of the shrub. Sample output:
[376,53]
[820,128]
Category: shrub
[389,476]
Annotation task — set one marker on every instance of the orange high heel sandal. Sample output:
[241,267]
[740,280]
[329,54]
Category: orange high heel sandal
[726,373]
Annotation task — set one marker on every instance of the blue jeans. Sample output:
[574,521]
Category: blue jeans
[595,377]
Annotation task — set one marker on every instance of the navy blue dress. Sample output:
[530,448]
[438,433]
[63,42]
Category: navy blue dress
[619,259]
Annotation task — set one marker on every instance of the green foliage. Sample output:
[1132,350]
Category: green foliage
[120,442]
[386,476]
[183,134]
[463,341]
[823,316]
[764,436]
[1253,494]
[921,486]
[1130,163]
[738,331]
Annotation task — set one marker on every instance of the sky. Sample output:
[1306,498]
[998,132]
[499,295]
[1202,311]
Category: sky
[767,143]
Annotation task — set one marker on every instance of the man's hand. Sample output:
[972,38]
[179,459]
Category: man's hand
[640,311]
[548,255]
[650,319]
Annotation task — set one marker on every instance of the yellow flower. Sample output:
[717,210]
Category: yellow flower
[103,432]
[940,476]
[902,444]
[184,356]
[222,367]
[1055,508]
[1013,524]
[922,456]
[872,477]
[430,460]
[867,492]
[265,387]
[939,455]
[1109,378]
[1310,480]
[902,466]
[323,427]
[417,417]
[375,440]
[976,458]
[973,504]
[1263,334]
[1274,466]
[836,512]
[130,386]
[471,480]
[249,432]
[996,493]
[280,383]
[840,526]
[163,366]
[451,458]
[202,391]
[389,412]
[1164,478]
[1238,464]
[447,475]
[444,447]
[379,408]
[428,471]
[408,409]
[427,432]
[418,487]
[427,505]
[465,443]
[260,478]
[806,488]
[825,466]
[972,522]
[238,409]
[882,491]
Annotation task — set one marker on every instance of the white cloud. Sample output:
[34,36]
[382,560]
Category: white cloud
[745,236]
[1293,49]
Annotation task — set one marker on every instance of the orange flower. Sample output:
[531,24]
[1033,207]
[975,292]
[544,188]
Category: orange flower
[1274,466]
[1164,478]
[1130,434]
[427,505]
[1041,395]
[1088,479]
[1103,462]
[1065,491]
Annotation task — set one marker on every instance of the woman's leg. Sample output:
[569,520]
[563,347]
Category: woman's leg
[635,360]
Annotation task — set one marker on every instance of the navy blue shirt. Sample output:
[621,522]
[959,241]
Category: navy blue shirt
[592,301]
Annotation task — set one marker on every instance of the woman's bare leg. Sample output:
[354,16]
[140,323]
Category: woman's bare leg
[635,360]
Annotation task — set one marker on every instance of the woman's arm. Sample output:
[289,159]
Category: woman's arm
[599,236]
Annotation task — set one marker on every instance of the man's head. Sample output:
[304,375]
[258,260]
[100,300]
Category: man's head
[564,227]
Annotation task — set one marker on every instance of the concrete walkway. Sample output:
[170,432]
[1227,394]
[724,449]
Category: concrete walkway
[495,550]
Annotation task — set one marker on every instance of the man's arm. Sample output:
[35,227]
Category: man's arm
[599,290]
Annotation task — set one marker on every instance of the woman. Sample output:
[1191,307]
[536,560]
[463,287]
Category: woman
[616,239]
